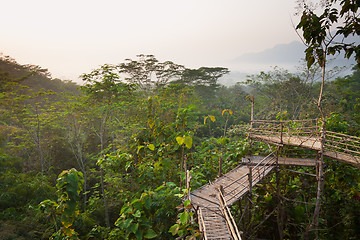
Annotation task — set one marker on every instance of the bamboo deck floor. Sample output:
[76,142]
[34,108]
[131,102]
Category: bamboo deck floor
[306,162]
[215,224]
[296,141]
[234,185]
[309,143]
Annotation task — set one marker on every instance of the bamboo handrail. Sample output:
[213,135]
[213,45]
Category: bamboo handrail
[345,135]
[338,142]
[341,143]
[343,150]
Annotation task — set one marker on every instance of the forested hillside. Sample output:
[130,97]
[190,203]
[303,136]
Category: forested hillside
[116,157]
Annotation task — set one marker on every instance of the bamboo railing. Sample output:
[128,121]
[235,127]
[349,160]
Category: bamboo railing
[255,174]
[342,142]
[310,128]
[297,132]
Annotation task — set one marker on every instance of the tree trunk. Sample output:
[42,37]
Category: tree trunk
[107,221]
[280,207]
[320,160]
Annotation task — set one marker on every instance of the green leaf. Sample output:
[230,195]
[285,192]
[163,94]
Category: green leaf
[186,203]
[139,148]
[139,234]
[127,223]
[137,214]
[150,234]
[151,147]
[134,227]
[180,140]
[188,142]
[174,229]
[128,165]
[184,217]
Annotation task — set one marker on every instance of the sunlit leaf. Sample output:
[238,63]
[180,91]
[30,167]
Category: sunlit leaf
[184,217]
[188,142]
[139,148]
[205,119]
[180,140]
[151,147]
[137,214]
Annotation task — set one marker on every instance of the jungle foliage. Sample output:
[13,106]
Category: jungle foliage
[132,130]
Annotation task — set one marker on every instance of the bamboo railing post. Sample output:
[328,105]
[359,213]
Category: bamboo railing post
[188,180]
[281,132]
[250,178]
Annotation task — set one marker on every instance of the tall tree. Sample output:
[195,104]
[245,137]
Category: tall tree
[149,72]
[205,81]
[320,40]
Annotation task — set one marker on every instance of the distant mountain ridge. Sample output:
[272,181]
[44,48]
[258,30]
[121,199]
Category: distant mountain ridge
[282,53]
[287,56]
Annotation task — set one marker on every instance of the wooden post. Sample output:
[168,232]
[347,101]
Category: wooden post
[188,180]
[281,132]
[250,175]
[250,179]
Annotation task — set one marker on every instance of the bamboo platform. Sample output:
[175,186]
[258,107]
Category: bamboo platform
[211,200]
[305,162]
[344,157]
[312,143]
[296,141]
[233,185]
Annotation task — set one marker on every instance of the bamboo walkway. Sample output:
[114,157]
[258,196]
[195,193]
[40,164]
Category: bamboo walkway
[307,134]
[212,200]
[233,186]
[214,217]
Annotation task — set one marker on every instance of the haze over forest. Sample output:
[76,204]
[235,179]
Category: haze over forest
[220,132]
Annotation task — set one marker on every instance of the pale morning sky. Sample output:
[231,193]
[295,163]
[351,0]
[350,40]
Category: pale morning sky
[71,37]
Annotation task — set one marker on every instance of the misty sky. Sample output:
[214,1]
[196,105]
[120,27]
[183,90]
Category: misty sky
[71,37]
